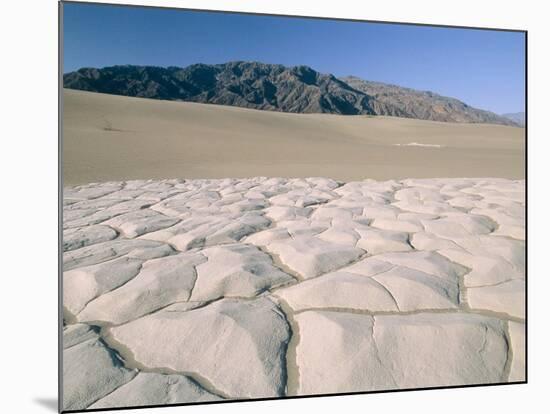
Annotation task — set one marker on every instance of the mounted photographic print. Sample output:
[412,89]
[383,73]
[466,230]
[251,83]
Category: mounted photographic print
[260,206]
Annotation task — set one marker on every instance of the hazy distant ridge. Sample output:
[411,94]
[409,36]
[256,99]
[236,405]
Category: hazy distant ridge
[298,89]
[518,117]
[393,100]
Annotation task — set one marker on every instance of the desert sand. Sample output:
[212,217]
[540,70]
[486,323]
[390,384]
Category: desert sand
[107,137]
[181,285]
[182,291]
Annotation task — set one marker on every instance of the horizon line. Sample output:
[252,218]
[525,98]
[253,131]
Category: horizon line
[290,67]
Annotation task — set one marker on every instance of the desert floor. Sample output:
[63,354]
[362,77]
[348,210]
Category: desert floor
[180,291]
[109,137]
[181,285]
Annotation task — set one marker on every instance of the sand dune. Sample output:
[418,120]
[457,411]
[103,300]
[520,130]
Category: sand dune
[109,137]
[424,279]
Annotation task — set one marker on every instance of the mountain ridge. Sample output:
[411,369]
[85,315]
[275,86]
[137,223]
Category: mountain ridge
[275,87]
[518,117]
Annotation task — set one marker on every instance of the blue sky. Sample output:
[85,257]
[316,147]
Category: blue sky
[483,68]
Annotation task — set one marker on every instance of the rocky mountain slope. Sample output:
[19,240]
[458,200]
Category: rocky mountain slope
[298,89]
[393,100]
[250,85]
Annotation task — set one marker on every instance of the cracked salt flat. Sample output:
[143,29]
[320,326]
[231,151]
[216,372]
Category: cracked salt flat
[182,291]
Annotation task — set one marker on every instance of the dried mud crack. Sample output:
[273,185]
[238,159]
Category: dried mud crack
[180,291]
